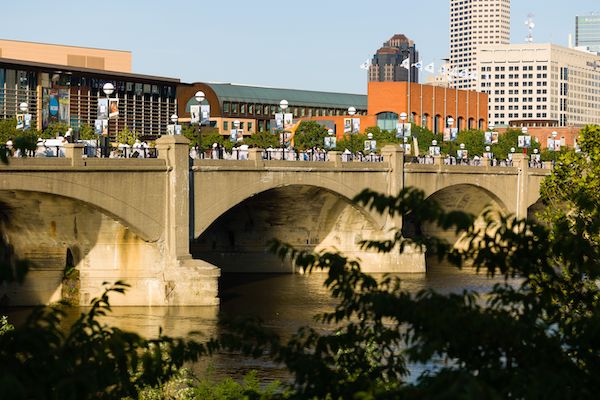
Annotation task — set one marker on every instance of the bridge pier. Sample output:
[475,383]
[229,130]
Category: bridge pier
[187,282]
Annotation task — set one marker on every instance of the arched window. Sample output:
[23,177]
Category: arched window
[471,124]
[460,123]
[436,124]
[387,121]
[425,121]
[481,124]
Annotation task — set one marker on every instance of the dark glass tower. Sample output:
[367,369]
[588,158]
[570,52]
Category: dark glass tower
[386,65]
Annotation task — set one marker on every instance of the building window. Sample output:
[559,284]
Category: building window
[225,126]
[387,121]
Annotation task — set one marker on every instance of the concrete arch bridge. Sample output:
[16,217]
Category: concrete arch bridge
[168,226]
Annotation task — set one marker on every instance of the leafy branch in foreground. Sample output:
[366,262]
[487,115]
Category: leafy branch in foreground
[537,338]
[91,360]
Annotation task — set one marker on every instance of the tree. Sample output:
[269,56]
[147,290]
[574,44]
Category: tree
[8,129]
[200,137]
[90,360]
[352,142]
[534,339]
[309,134]
[262,140]
[87,132]
[54,130]
[126,136]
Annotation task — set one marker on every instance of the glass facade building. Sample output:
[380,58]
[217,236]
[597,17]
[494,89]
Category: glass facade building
[587,32]
[66,94]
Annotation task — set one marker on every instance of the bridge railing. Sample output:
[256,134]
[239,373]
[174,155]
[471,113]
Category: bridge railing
[473,162]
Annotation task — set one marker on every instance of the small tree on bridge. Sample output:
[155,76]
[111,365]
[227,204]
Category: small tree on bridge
[309,134]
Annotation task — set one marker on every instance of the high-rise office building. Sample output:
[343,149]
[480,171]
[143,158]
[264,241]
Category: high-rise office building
[587,32]
[474,23]
[540,85]
[386,65]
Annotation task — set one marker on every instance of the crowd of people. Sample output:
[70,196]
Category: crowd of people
[534,162]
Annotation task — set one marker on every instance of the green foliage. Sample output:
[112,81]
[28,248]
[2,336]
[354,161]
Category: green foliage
[54,130]
[5,326]
[26,142]
[309,134]
[215,137]
[8,129]
[533,339]
[185,386]
[126,136]
[354,143]
[200,138]
[262,140]
[90,361]
[87,132]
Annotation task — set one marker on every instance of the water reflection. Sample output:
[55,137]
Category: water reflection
[283,302]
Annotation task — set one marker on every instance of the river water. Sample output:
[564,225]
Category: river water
[283,302]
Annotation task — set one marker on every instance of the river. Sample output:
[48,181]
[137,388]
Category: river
[283,302]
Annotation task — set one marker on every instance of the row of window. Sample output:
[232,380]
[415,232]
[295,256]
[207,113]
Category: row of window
[268,110]
[22,80]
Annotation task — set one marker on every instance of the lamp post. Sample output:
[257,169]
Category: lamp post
[434,149]
[535,156]
[403,118]
[236,126]
[351,113]
[487,156]
[283,104]
[329,141]
[174,119]
[108,89]
[524,130]
[554,135]
[23,107]
[449,123]
[199,97]
[462,154]
[512,151]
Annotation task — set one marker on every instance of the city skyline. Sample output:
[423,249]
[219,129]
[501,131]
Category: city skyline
[318,47]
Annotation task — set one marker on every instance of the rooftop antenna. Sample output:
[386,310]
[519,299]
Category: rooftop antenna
[530,25]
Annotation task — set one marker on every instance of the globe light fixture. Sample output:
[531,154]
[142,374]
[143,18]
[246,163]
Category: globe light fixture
[108,88]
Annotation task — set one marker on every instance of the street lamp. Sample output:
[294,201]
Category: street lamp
[449,123]
[554,135]
[524,131]
[108,89]
[370,144]
[462,154]
[23,107]
[283,104]
[402,118]
[330,141]
[351,111]
[236,126]
[434,149]
[174,119]
[512,151]
[199,97]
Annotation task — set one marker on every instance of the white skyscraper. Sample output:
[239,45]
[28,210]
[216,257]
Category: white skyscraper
[474,23]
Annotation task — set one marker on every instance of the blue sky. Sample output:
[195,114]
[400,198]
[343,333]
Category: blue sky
[308,44]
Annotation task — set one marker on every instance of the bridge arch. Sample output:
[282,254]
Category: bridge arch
[143,221]
[308,217]
[468,198]
[210,205]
